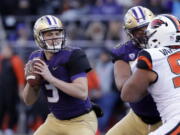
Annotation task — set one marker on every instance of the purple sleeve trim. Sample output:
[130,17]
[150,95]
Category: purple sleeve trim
[83,74]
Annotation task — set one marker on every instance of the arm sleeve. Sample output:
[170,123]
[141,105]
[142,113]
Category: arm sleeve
[78,63]
[120,53]
[35,54]
[144,60]
[31,56]
[116,57]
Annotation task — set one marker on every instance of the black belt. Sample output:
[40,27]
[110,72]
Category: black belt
[96,108]
[85,112]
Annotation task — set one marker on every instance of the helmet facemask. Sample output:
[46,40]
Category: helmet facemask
[138,35]
[53,44]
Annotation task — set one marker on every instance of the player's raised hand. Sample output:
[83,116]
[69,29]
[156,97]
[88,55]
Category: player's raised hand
[43,70]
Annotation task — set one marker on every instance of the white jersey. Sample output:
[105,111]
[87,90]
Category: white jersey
[166,90]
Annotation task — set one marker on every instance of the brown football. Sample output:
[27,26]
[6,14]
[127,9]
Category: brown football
[32,78]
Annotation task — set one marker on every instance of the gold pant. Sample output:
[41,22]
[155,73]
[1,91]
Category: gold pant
[83,125]
[131,124]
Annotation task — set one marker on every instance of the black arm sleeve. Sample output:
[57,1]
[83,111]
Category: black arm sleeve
[78,63]
[115,58]
[144,60]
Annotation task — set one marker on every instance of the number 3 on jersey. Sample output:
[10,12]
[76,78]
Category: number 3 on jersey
[55,95]
[174,62]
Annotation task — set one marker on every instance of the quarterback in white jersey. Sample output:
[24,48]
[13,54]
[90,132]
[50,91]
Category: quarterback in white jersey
[158,70]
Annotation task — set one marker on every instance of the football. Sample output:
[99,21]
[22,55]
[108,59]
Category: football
[32,78]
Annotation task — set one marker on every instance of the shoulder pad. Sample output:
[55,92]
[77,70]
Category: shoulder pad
[144,60]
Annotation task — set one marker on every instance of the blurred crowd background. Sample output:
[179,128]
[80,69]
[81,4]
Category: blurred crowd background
[94,25]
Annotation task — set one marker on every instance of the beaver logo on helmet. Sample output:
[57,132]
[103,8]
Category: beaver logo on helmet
[168,25]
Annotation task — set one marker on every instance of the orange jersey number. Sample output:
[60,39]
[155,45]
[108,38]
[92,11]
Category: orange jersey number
[174,62]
